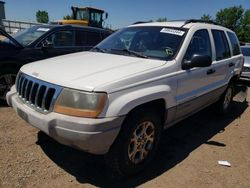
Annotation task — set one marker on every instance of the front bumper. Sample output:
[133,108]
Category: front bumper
[90,135]
[245,76]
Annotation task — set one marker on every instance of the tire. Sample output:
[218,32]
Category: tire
[132,151]
[225,101]
[7,79]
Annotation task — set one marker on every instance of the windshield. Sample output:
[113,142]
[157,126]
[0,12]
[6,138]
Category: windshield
[151,42]
[245,51]
[29,35]
[82,14]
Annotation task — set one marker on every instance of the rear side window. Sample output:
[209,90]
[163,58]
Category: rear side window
[105,35]
[200,44]
[234,42]
[81,38]
[221,45]
[93,38]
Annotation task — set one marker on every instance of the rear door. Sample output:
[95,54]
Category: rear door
[237,59]
[93,38]
[85,40]
[223,59]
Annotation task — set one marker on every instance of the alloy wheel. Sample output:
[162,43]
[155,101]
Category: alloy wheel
[141,142]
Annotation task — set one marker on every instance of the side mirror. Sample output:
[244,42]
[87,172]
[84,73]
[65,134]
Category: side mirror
[46,45]
[197,61]
[106,15]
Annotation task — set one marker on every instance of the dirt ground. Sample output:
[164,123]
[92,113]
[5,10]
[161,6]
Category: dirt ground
[187,155]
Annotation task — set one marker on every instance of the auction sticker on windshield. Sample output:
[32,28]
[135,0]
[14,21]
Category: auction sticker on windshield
[43,29]
[172,31]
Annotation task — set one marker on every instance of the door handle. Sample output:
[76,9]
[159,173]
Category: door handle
[210,71]
[231,64]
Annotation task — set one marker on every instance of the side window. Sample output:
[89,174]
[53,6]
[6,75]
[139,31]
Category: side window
[221,45]
[105,35]
[61,39]
[81,38]
[234,42]
[93,38]
[200,44]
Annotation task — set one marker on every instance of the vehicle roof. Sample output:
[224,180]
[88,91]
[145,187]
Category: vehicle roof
[182,24]
[55,26]
[93,8]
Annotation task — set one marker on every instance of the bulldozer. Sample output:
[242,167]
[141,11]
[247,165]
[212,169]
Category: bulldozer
[86,16]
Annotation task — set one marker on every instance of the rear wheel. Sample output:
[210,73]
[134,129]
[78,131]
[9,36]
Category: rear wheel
[225,102]
[136,144]
[7,80]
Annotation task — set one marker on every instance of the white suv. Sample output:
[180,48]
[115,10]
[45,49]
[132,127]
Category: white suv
[117,98]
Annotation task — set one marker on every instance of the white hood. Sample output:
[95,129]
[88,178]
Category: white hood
[88,70]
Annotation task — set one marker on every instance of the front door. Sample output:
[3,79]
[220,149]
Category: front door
[195,83]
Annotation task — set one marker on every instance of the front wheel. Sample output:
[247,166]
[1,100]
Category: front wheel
[7,80]
[136,144]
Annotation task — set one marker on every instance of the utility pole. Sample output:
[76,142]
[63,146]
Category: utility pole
[2,13]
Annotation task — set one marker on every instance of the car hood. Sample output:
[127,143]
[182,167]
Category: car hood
[88,70]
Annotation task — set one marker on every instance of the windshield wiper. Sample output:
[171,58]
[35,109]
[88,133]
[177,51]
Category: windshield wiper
[130,52]
[97,49]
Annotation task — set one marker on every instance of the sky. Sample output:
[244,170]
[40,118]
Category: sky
[121,13]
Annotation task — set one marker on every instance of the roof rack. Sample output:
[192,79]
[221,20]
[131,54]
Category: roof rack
[141,22]
[199,21]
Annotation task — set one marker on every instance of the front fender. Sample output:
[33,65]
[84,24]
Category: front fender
[121,103]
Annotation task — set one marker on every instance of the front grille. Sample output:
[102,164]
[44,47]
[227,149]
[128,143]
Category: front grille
[37,94]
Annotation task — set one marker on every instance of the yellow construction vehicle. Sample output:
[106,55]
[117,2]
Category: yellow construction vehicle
[87,16]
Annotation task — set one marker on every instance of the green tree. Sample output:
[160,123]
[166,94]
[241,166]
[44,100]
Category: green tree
[244,33]
[236,19]
[42,16]
[206,17]
[230,17]
[68,17]
[161,19]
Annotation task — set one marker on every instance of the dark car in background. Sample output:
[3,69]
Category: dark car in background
[246,67]
[41,42]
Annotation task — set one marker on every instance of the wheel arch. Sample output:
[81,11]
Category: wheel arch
[157,106]
[234,79]
[10,65]
[156,97]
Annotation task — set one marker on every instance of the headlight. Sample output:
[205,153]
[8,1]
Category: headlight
[81,104]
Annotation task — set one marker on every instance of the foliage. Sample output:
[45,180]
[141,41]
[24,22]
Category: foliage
[206,17]
[230,17]
[68,17]
[42,16]
[244,33]
[236,19]
[161,19]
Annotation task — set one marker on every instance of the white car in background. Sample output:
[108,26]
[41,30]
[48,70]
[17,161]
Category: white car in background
[246,67]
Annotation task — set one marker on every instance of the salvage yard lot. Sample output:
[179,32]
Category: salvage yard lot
[187,156]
